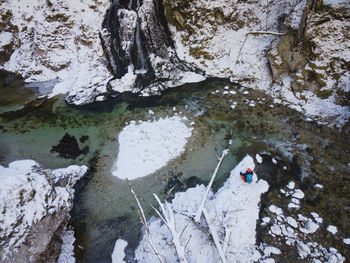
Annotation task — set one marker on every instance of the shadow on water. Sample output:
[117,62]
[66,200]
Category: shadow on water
[104,210]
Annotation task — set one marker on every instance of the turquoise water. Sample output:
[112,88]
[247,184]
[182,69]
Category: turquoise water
[104,209]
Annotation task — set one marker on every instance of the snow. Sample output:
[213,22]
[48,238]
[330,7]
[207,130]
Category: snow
[67,249]
[298,194]
[276,210]
[29,194]
[332,229]
[242,57]
[274,161]
[320,186]
[271,250]
[126,82]
[317,218]
[233,209]
[146,146]
[258,158]
[191,77]
[118,251]
[5,38]
[291,185]
[346,241]
[337,3]
[292,222]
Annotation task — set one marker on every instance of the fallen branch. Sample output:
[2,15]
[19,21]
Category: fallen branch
[215,236]
[256,33]
[144,222]
[197,218]
[169,220]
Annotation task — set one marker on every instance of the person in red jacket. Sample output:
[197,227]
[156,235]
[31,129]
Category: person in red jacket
[247,176]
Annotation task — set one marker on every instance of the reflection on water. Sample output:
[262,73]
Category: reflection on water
[104,209]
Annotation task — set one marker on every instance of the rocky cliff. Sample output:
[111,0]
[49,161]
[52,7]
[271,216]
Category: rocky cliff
[140,50]
[297,51]
[34,210]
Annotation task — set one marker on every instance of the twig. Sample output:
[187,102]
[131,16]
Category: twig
[265,33]
[168,193]
[227,238]
[197,218]
[188,241]
[144,222]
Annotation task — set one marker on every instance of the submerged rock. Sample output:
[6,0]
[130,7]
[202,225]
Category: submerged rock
[68,147]
[34,210]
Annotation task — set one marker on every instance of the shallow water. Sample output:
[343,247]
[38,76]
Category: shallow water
[104,208]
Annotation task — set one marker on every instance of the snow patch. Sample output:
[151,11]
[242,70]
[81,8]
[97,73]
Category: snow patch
[118,251]
[67,249]
[147,146]
[332,229]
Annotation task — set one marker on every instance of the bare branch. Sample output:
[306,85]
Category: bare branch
[144,222]
[169,220]
[256,33]
[197,218]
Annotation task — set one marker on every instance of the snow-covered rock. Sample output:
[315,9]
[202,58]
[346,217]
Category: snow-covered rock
[220,37]
[332,229]
[35,206]
[59,39]
[232,212]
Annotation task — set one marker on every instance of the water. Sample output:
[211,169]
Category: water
[105,210]
[140,52]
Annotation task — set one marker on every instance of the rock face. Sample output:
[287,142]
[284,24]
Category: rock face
[140,50]
[34,210]
[315,63]
[56,40]
[307,68]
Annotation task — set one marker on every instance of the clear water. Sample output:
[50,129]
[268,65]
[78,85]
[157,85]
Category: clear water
[105,210]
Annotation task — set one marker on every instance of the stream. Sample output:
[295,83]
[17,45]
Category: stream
[225,115]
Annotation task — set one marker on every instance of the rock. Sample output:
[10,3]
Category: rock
[56,40]
[34,210]
[140,50]
[68,147]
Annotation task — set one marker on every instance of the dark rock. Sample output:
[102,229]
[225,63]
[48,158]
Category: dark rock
[68,147]
[83,138]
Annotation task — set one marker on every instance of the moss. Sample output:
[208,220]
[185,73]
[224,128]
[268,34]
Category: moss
[324,94]
[57,18]
[197,52]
